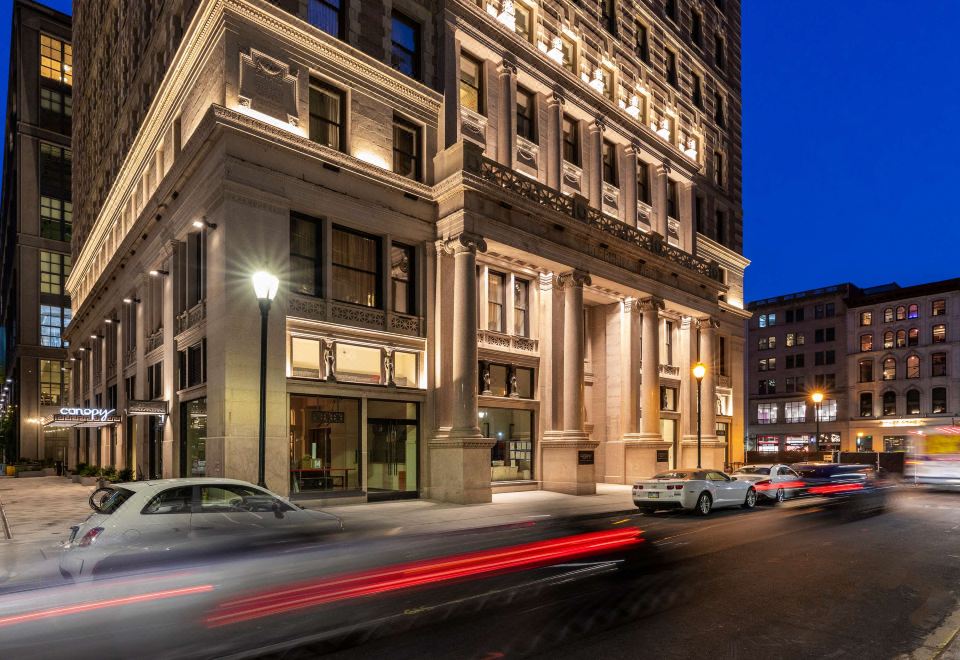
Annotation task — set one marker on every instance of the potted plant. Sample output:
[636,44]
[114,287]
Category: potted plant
[88,476]
[78,472]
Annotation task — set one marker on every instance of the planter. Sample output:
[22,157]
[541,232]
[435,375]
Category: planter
[75,478]
[88,481]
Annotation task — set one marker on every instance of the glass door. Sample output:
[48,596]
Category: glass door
[324,446]
[155,448]
[393,449]
[193,438]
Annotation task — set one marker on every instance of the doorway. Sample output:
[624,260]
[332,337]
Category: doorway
[155,447]
[393,450]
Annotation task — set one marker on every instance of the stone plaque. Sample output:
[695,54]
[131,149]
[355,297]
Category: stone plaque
[268,86]
[663,455]
[585,457]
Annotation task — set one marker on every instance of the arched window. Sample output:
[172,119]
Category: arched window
[889,403]
[866,404]
[913,337]
[913,312]
[901,313]
[938,400]
[888,315]
[913,402]
[913,366]
[889,369]
[888,339]
[866,343]
[901,338]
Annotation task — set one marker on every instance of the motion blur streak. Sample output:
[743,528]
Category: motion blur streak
[786,485]
[834,488]
[80,608]
[403,576]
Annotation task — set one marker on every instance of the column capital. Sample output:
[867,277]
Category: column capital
[556,97]
[507,66]
[575,278]
[664,166]
[708,323]
[599,124]
[465,242]
[651,304]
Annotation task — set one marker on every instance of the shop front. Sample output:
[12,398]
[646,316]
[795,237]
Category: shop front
[89,422]
[513,432]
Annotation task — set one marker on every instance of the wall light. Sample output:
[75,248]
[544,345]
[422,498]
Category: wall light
[204,223]
[130,301]
[156,272]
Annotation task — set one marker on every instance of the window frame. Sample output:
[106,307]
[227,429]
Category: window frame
[416,158]
[377,272]
[416,55]
[322,87]
[336,6]
[571,145]
[530,133]
[478,89]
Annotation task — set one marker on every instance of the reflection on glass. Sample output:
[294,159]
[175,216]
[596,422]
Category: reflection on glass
[195,438]
[392,439]
[405,369]
[304,358]
[324,444]
[511,458]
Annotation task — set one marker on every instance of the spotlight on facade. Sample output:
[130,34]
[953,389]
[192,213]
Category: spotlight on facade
[204,223]
[156,272]
[129,301]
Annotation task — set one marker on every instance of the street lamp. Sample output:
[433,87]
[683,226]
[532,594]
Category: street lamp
[699,371]
[265,285]
[817,397]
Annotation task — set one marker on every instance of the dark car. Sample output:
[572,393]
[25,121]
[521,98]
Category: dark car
[853,488]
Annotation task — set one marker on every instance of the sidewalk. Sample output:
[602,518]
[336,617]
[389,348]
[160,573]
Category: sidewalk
[42,509]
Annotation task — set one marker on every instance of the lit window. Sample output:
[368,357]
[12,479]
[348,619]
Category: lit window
[913,312]
[56,59]
[53,319]
[358,363]
[766,413]
[901,338]
[938,308]
[866,318]
[889,369]
[496,285]
[471,83]
[791,339]
[521,295]
[795,412]
[888,339]
[888,315]
[913,367]
[54,270]
[866,343]
[327,115]
[827,410]
[526,115]
[901,313]
[913,337]
[356,268]
[305,358]
[939,334]
[54,383]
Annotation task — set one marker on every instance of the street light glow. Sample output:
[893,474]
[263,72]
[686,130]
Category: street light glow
[817,396]
[265,285]
[699,370]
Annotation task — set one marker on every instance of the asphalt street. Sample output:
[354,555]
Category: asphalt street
[768,583]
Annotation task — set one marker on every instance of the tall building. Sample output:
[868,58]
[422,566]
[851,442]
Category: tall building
[504,234]
[887,359]
[35,227]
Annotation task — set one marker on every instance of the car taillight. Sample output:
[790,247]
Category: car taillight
[674,487]
[90,537]
[638,487]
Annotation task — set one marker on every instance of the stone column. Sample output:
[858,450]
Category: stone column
[506,116]
[459,455]
[628,185]
[594,163]
[568,454]
[171,427]
[688,222]
[708,328]
[650,366]
[554,147]
[660,181]
[121,402]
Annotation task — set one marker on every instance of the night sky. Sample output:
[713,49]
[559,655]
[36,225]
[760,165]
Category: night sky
[850,141]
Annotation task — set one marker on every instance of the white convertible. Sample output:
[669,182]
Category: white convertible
[693,489]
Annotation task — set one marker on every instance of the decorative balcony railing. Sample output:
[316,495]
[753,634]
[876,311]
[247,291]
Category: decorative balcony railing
[192,317]
[578,209]
[318,309]
[155,340]
[669,370]
[130,356]
[502,341]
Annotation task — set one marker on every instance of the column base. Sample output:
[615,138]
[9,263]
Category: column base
[614,461]
[460,467]
[569,462]
[640,455]
[713,452]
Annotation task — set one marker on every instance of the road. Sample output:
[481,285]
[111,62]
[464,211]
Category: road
[768,583]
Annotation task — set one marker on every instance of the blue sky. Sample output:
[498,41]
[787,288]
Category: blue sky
[850,140]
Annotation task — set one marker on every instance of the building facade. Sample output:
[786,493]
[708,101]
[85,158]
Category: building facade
[35,228]
[504,233]
[885,358]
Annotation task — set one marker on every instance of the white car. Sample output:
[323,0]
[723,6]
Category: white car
[773,481]
[149,521]
[693,489]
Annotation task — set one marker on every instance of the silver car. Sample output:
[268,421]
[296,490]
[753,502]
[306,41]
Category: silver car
[149,521]
[693,489]
[774,481]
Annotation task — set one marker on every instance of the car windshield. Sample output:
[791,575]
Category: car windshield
[751,469]
[113,500]
[673,475]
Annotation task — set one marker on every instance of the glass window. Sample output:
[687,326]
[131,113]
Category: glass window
[524,382]
[766,413]
[521,302]
[697,85]
[402,279]
[643,182]
[407,151]
[913,311]
[672,68]
[718,112]
[913,337]
[913,402]
[526,115]
[393,439]
[866,318]
[696,28]
[304,255]
[938,308]
[718,169]
[522,18]
[888,339]
[643,42]
[172,500]
[673,206]
[305,358]
[827,410]
[54,270]
[496,290]
[901,338]
[668,398]
[327,115]
[52,385]
[866,404]
[326,15]
[889,369]
[609,163]
[194,443]
[511,457]
[938,364]
[405,369]
[889,403]
[795,412]
[360,364]
[324,444]
[56,59]
[496,380]
[56,109]
[888,315]
[571,140]
[471,83]
[866,371]
[762,321]
[53,319]
[405,43]
[866,343]
[718,52]
[938,400]
[895,443]
[913,367]
[901,312]
[56,218]
[356,268]
[939,334]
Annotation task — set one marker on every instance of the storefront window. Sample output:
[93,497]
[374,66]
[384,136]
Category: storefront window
[524,382]
[393,448]
[405,372]
[304,358]
[193,449]
[797,443]
[768,443]
[511,458]
[358,363]
[324,444]
[894,443]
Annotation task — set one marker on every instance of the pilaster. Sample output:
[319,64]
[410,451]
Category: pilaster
[554,147]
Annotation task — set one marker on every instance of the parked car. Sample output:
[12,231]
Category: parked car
[774,481]
[693,489]
[144,522]
[853,488]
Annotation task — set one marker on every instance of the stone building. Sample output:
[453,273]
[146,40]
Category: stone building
[505,232]
[35,227]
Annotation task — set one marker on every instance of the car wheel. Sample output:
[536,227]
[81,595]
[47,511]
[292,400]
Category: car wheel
[780,495]
[750,500]
[704,504]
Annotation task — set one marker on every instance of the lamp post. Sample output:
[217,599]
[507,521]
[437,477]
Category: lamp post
[699,371]
[817,397]
[265,285]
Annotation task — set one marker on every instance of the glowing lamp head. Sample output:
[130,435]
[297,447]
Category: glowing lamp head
[817,396]
[699,370]
[265,285]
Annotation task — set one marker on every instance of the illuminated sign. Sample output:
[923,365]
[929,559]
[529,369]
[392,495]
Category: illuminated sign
[94,414]
[896,423]
[147,408]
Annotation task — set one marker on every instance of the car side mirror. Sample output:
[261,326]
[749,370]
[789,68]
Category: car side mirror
[277,510]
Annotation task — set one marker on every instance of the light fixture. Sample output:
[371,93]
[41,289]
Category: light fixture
[699,371]
[108,321]
[156,272]
[203,222]
[82,349]
[556,50]
[95,336]
[129,301]
[265,285]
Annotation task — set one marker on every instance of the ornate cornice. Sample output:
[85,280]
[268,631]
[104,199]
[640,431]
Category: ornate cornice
[466,242]
[708,323]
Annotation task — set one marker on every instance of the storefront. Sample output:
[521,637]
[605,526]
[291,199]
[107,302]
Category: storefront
[512,455]
[154,415]
[88,421]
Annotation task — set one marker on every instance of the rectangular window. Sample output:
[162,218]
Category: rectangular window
[402,278]
[609,163]
[54,271]
[522,16]
[668,341]
[938,308]
[356,268]
[818,311]
[697,91]
[766,413]
[718,113]
[56,60]
[405,44]
[643,182]
[670,9]
[718,171]
[938,364]
[56,109]
[721,227]
[327,115]
[56,218]
[699,212]
[791,338]
[305,358]
[866,318]
[53,319]
[866,404]
[696,28]
[571,140]
[326,15]
[52,386]
[795,412]
[471,83]
[526,115]
[359,364]
[406,371]
[939,334]
[521,303]
[762,321]
[866,371]
[830,309]
[672,78]
[608,10]
[673,196]
[496,290]
[305,268]
[938,400]
[827,410]
[866,343]
[407,158]
[643,43]
[668,398]
[719,50]
[55,171]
